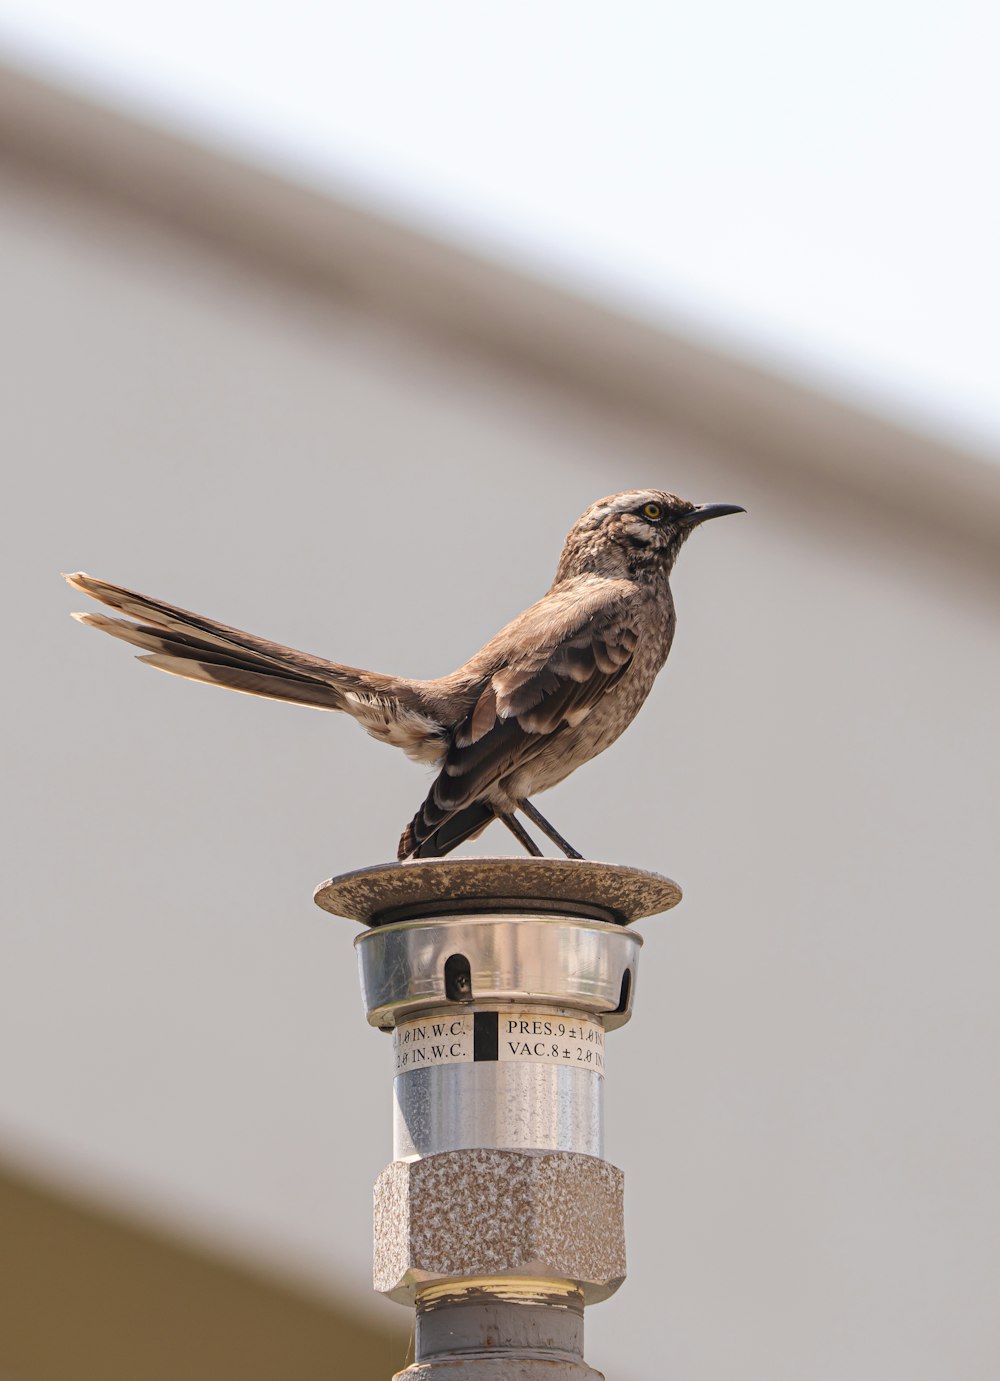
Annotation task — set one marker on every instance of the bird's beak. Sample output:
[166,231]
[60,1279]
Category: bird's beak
[710,510]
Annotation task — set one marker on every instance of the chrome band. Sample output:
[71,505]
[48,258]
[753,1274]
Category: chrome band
[408,966]
[529,1107]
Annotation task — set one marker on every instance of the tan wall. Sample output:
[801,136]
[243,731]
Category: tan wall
[805,1102]
[85,1293]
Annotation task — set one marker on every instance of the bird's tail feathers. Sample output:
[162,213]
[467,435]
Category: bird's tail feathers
[200,649]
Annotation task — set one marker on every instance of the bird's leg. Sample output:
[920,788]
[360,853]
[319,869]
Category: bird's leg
[538,819]
[520,833]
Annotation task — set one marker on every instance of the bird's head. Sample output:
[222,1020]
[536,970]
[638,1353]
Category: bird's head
[639,531]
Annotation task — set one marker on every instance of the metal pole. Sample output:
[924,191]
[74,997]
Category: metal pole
[498,1219]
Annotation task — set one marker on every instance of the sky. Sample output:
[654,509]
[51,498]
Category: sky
[812,186]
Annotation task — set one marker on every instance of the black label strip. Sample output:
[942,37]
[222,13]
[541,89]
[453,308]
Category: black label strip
[485,1035]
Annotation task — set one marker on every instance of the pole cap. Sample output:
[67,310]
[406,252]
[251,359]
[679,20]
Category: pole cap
[426,888]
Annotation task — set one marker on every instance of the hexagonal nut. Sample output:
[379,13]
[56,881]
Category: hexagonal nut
[549,1215]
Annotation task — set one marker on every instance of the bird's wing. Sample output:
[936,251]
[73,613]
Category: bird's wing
[558,683]
[560,662]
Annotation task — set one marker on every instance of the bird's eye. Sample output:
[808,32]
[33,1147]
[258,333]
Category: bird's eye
[652,511]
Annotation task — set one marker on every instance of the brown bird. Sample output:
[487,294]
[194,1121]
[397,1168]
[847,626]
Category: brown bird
[548,693]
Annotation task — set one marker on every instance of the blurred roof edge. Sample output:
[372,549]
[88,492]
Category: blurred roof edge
[300,233]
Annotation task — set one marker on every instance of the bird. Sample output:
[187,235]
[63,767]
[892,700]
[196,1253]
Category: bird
[550,691]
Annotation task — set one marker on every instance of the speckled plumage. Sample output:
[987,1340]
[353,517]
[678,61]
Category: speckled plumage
[549,692]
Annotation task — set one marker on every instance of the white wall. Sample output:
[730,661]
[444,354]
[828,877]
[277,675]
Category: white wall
[805,1104]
